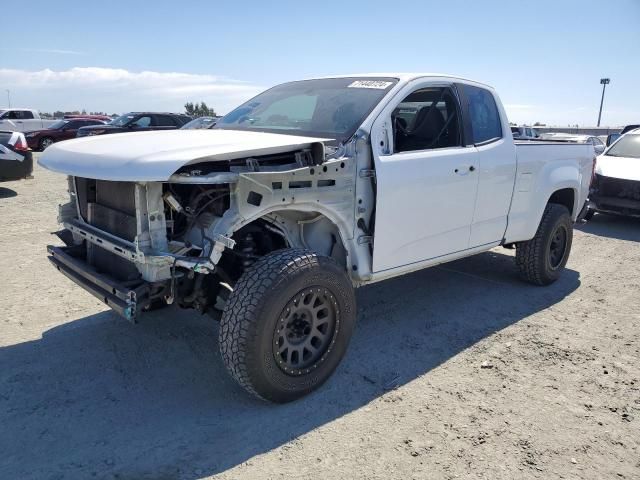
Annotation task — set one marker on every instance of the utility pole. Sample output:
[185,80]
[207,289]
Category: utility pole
[9,97]
[604,82]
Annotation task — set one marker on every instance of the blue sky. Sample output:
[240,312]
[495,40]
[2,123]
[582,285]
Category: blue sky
[544,57]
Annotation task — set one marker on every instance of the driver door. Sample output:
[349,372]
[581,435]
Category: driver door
[426,174]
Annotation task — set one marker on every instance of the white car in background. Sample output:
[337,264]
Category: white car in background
[524,133]
[598,145]
[616,184]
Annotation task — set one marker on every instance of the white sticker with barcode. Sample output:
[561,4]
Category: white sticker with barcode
[377,84]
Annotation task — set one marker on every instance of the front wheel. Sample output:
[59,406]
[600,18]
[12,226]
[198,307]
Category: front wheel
[287,324]
[542,259]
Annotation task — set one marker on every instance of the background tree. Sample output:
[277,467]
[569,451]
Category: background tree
[198,110]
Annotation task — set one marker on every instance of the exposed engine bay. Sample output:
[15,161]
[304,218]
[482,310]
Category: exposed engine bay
[188,241]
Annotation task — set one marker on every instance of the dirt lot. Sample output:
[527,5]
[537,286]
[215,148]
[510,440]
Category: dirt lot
[460,371]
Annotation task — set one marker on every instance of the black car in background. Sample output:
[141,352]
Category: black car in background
[138,122]
[16,160]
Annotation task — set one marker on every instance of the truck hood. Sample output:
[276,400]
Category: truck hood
[627,168]
[156,155]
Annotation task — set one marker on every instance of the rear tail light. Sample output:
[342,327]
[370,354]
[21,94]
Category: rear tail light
[593,171]
[21,144]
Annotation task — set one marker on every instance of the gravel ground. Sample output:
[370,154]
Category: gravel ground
[459,371]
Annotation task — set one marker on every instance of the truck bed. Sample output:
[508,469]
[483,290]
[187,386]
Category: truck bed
[537,160]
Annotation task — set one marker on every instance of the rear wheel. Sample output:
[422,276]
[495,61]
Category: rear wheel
[542,259]
[45,143]
[287,324]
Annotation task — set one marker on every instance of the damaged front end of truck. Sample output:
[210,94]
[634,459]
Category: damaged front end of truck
[137,245]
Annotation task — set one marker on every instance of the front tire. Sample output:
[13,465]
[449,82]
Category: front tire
[287,324]
[542,259]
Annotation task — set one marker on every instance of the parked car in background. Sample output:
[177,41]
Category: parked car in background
[200,122]
[524,133]
[16,160]
[598,145]
[611,138]
[628,128]
[104,118]
[616,184]
[138,122]
[22,120]
[61,130]
[279,211]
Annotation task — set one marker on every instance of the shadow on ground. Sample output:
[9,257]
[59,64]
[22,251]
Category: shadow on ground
[98,396]
[613,226]
[7,193]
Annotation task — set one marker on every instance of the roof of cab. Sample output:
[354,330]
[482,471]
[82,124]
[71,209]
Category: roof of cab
[405,77]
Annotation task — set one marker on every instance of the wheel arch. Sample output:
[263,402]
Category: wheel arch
[310,227]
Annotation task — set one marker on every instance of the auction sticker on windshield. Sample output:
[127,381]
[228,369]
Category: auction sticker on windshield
[377,84]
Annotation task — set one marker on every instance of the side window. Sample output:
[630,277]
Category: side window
[484,115]
[426,119]
[26,115]
[164,121]
[73,124]
[143,121]
[529,132]
[12,115]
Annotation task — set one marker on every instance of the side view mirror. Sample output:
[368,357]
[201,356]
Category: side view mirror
[612,137]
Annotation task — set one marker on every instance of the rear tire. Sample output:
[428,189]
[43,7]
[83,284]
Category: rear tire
[287,324]
[542,259]
[45,143]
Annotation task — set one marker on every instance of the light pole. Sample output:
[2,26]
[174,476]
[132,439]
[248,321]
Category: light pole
[604,82]
[9,97]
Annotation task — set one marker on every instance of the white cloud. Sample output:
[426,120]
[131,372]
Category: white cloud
[119,90]
[55,51]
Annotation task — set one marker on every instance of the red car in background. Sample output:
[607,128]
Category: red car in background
[61,130]
[105,118]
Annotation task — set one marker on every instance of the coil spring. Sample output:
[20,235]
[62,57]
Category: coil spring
[248,250]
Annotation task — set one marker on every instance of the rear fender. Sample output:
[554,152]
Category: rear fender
[532,193]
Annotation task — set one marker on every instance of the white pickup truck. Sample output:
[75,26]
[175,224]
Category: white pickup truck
[301,194]
[22,120]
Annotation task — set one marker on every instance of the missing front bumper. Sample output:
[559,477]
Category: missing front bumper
[127,300]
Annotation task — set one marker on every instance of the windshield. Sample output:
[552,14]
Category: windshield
[201,122]
[330,108]
[627,146]
[58,125]
[122,120]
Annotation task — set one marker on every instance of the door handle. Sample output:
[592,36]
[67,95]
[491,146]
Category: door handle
[472,168]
